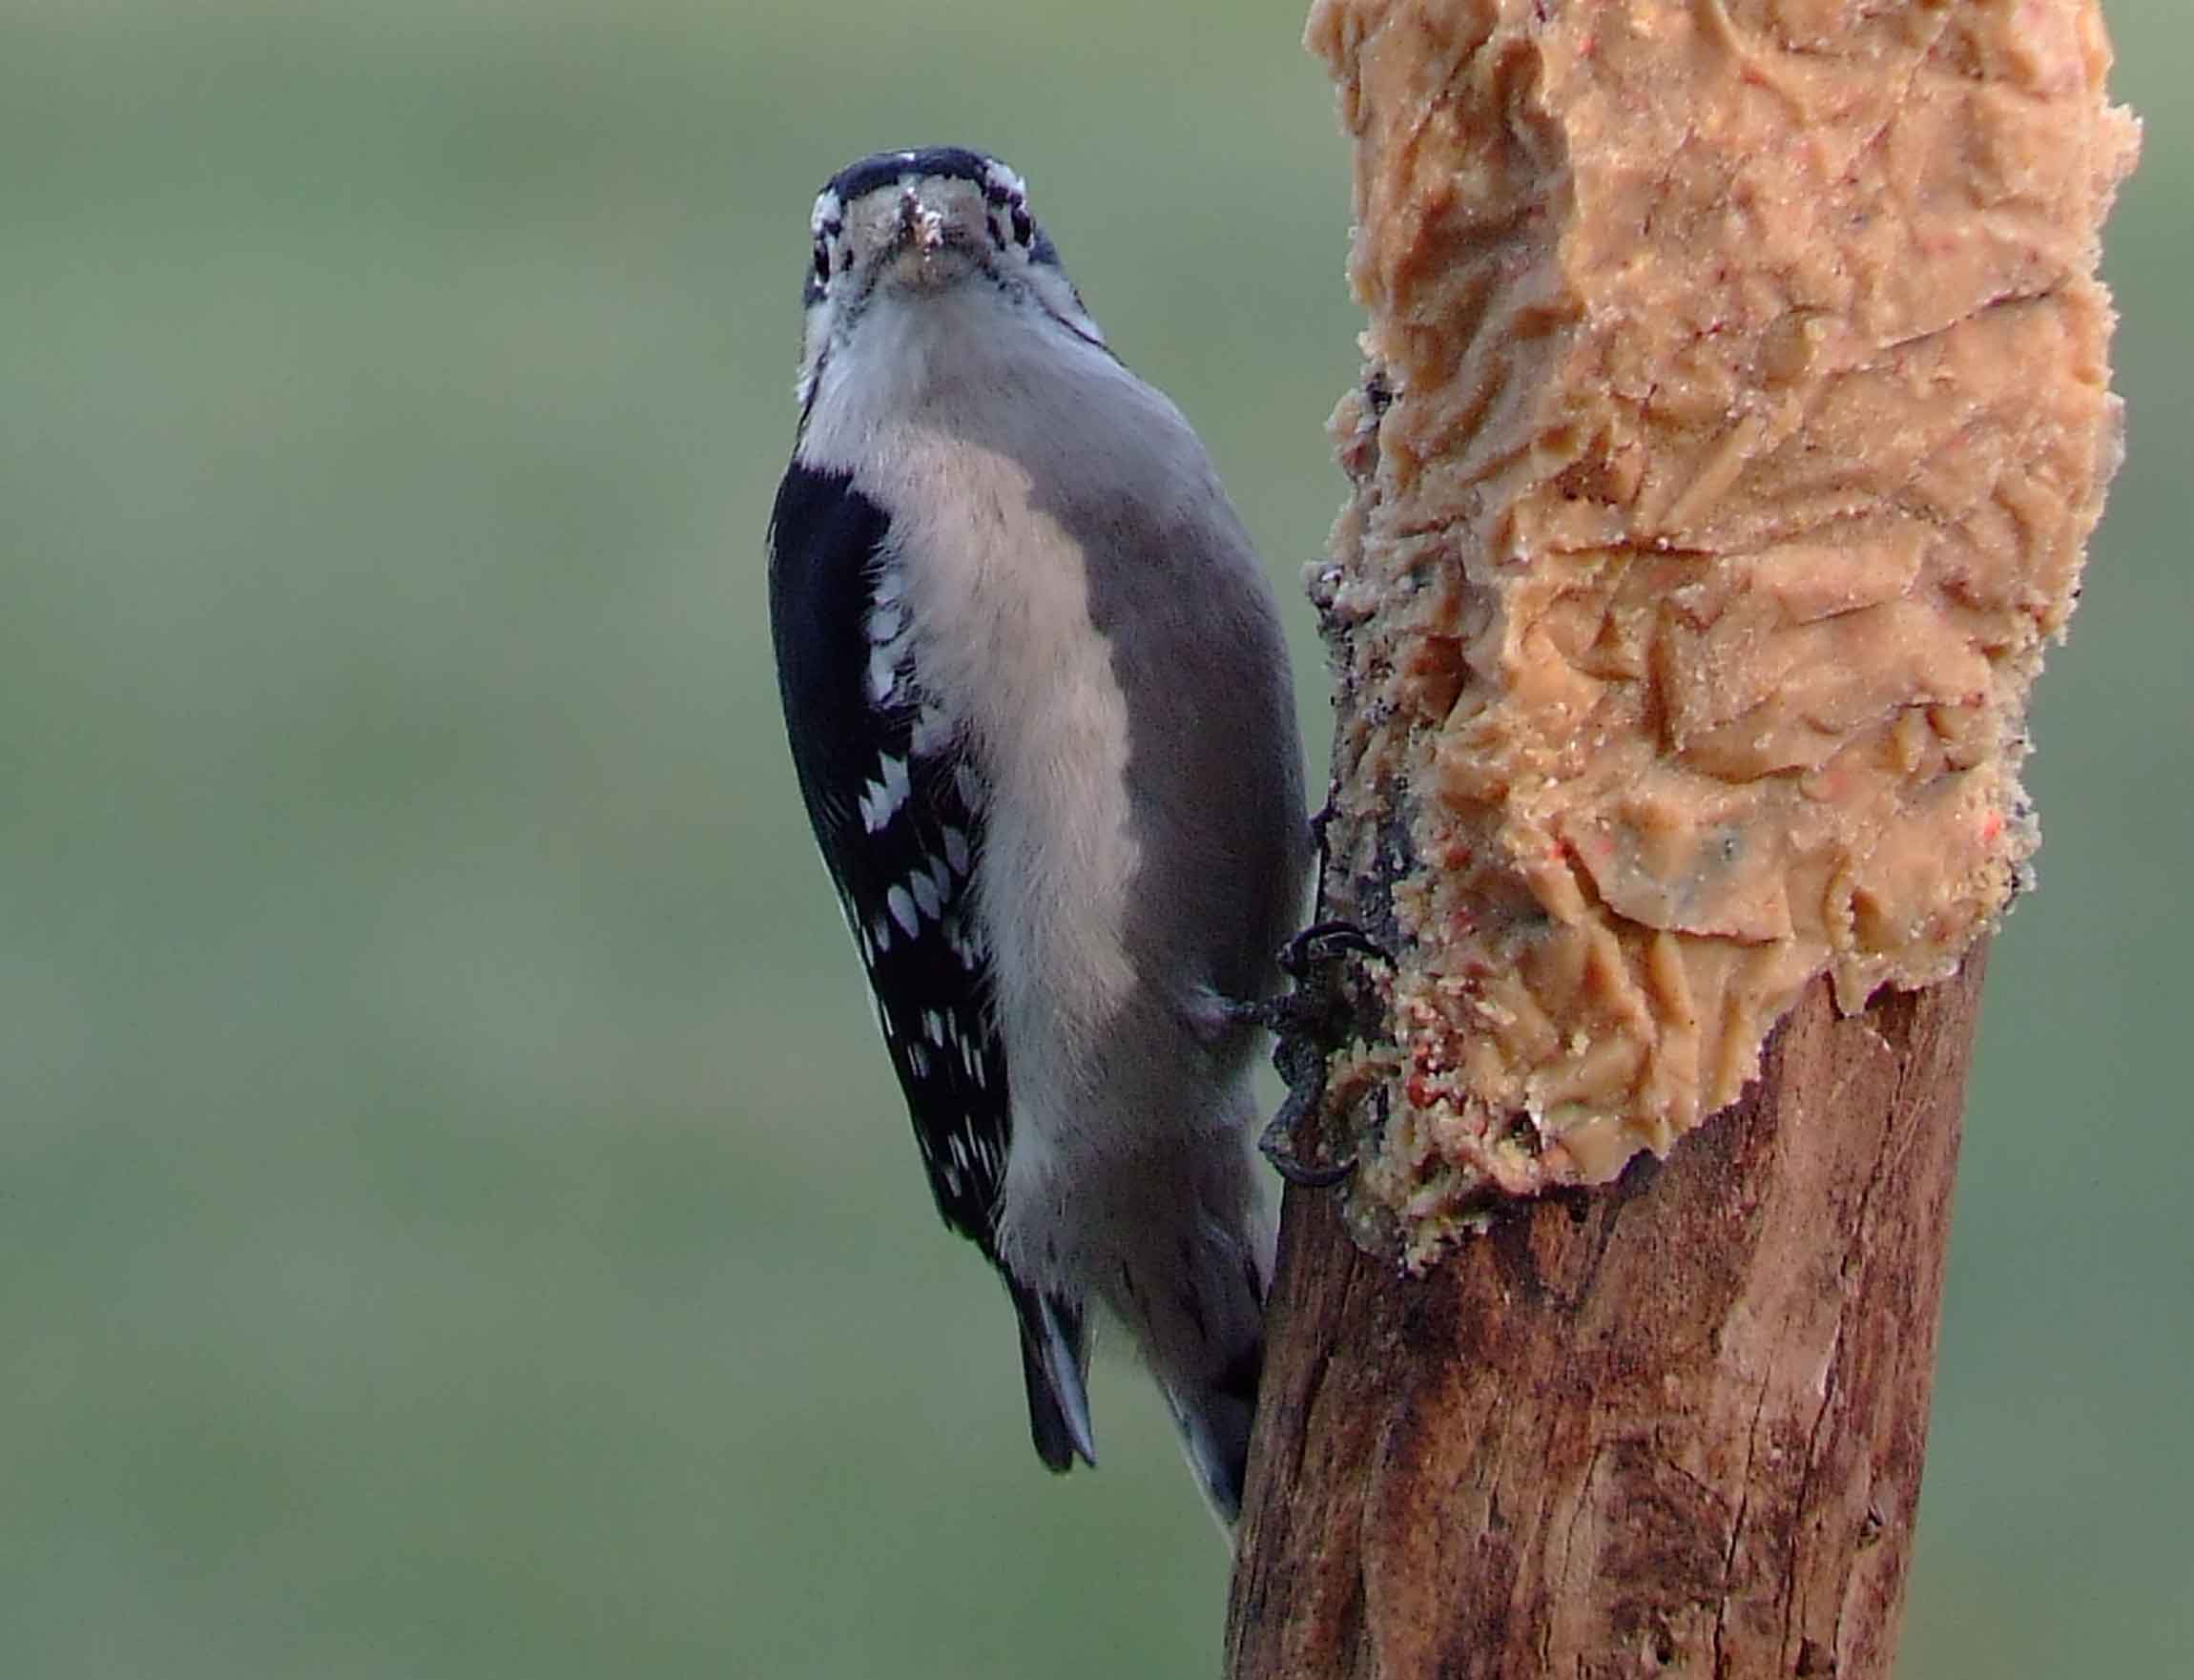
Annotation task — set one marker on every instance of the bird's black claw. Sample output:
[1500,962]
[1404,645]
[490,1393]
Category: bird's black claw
[1323,940]
[1306,1025]
[1322,819]
[1275,1145]
[1301,1058]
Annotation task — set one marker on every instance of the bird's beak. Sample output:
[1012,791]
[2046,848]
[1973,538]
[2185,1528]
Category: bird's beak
[920,223]
[927,248]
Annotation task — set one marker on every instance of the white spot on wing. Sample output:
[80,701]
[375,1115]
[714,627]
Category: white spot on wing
[925,894]
[903,908]
[882,676]
[885,620]
[956,850]
[964,943]
[883,800]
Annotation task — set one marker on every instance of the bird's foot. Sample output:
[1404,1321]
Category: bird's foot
[1307,1023]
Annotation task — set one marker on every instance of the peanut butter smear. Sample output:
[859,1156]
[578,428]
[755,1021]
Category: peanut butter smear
[1735,415]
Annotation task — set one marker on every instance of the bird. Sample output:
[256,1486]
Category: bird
[1038,700]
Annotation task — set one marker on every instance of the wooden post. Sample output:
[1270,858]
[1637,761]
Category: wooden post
[1735,415]
[1673,1426]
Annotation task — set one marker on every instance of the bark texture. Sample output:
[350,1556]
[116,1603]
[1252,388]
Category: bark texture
[1675,1425]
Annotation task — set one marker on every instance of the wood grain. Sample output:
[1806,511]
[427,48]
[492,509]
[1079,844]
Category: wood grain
[1673,1426]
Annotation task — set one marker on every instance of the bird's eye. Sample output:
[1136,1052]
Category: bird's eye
[1023,228]
[822,260]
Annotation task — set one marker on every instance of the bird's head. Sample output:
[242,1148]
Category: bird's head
[904,229]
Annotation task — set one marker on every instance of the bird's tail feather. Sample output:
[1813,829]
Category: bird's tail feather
[1055,1365]
[1214,1420]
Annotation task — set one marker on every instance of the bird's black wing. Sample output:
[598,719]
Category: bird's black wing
[897,810]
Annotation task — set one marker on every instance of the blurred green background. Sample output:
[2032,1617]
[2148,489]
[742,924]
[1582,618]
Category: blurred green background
[454,1220]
